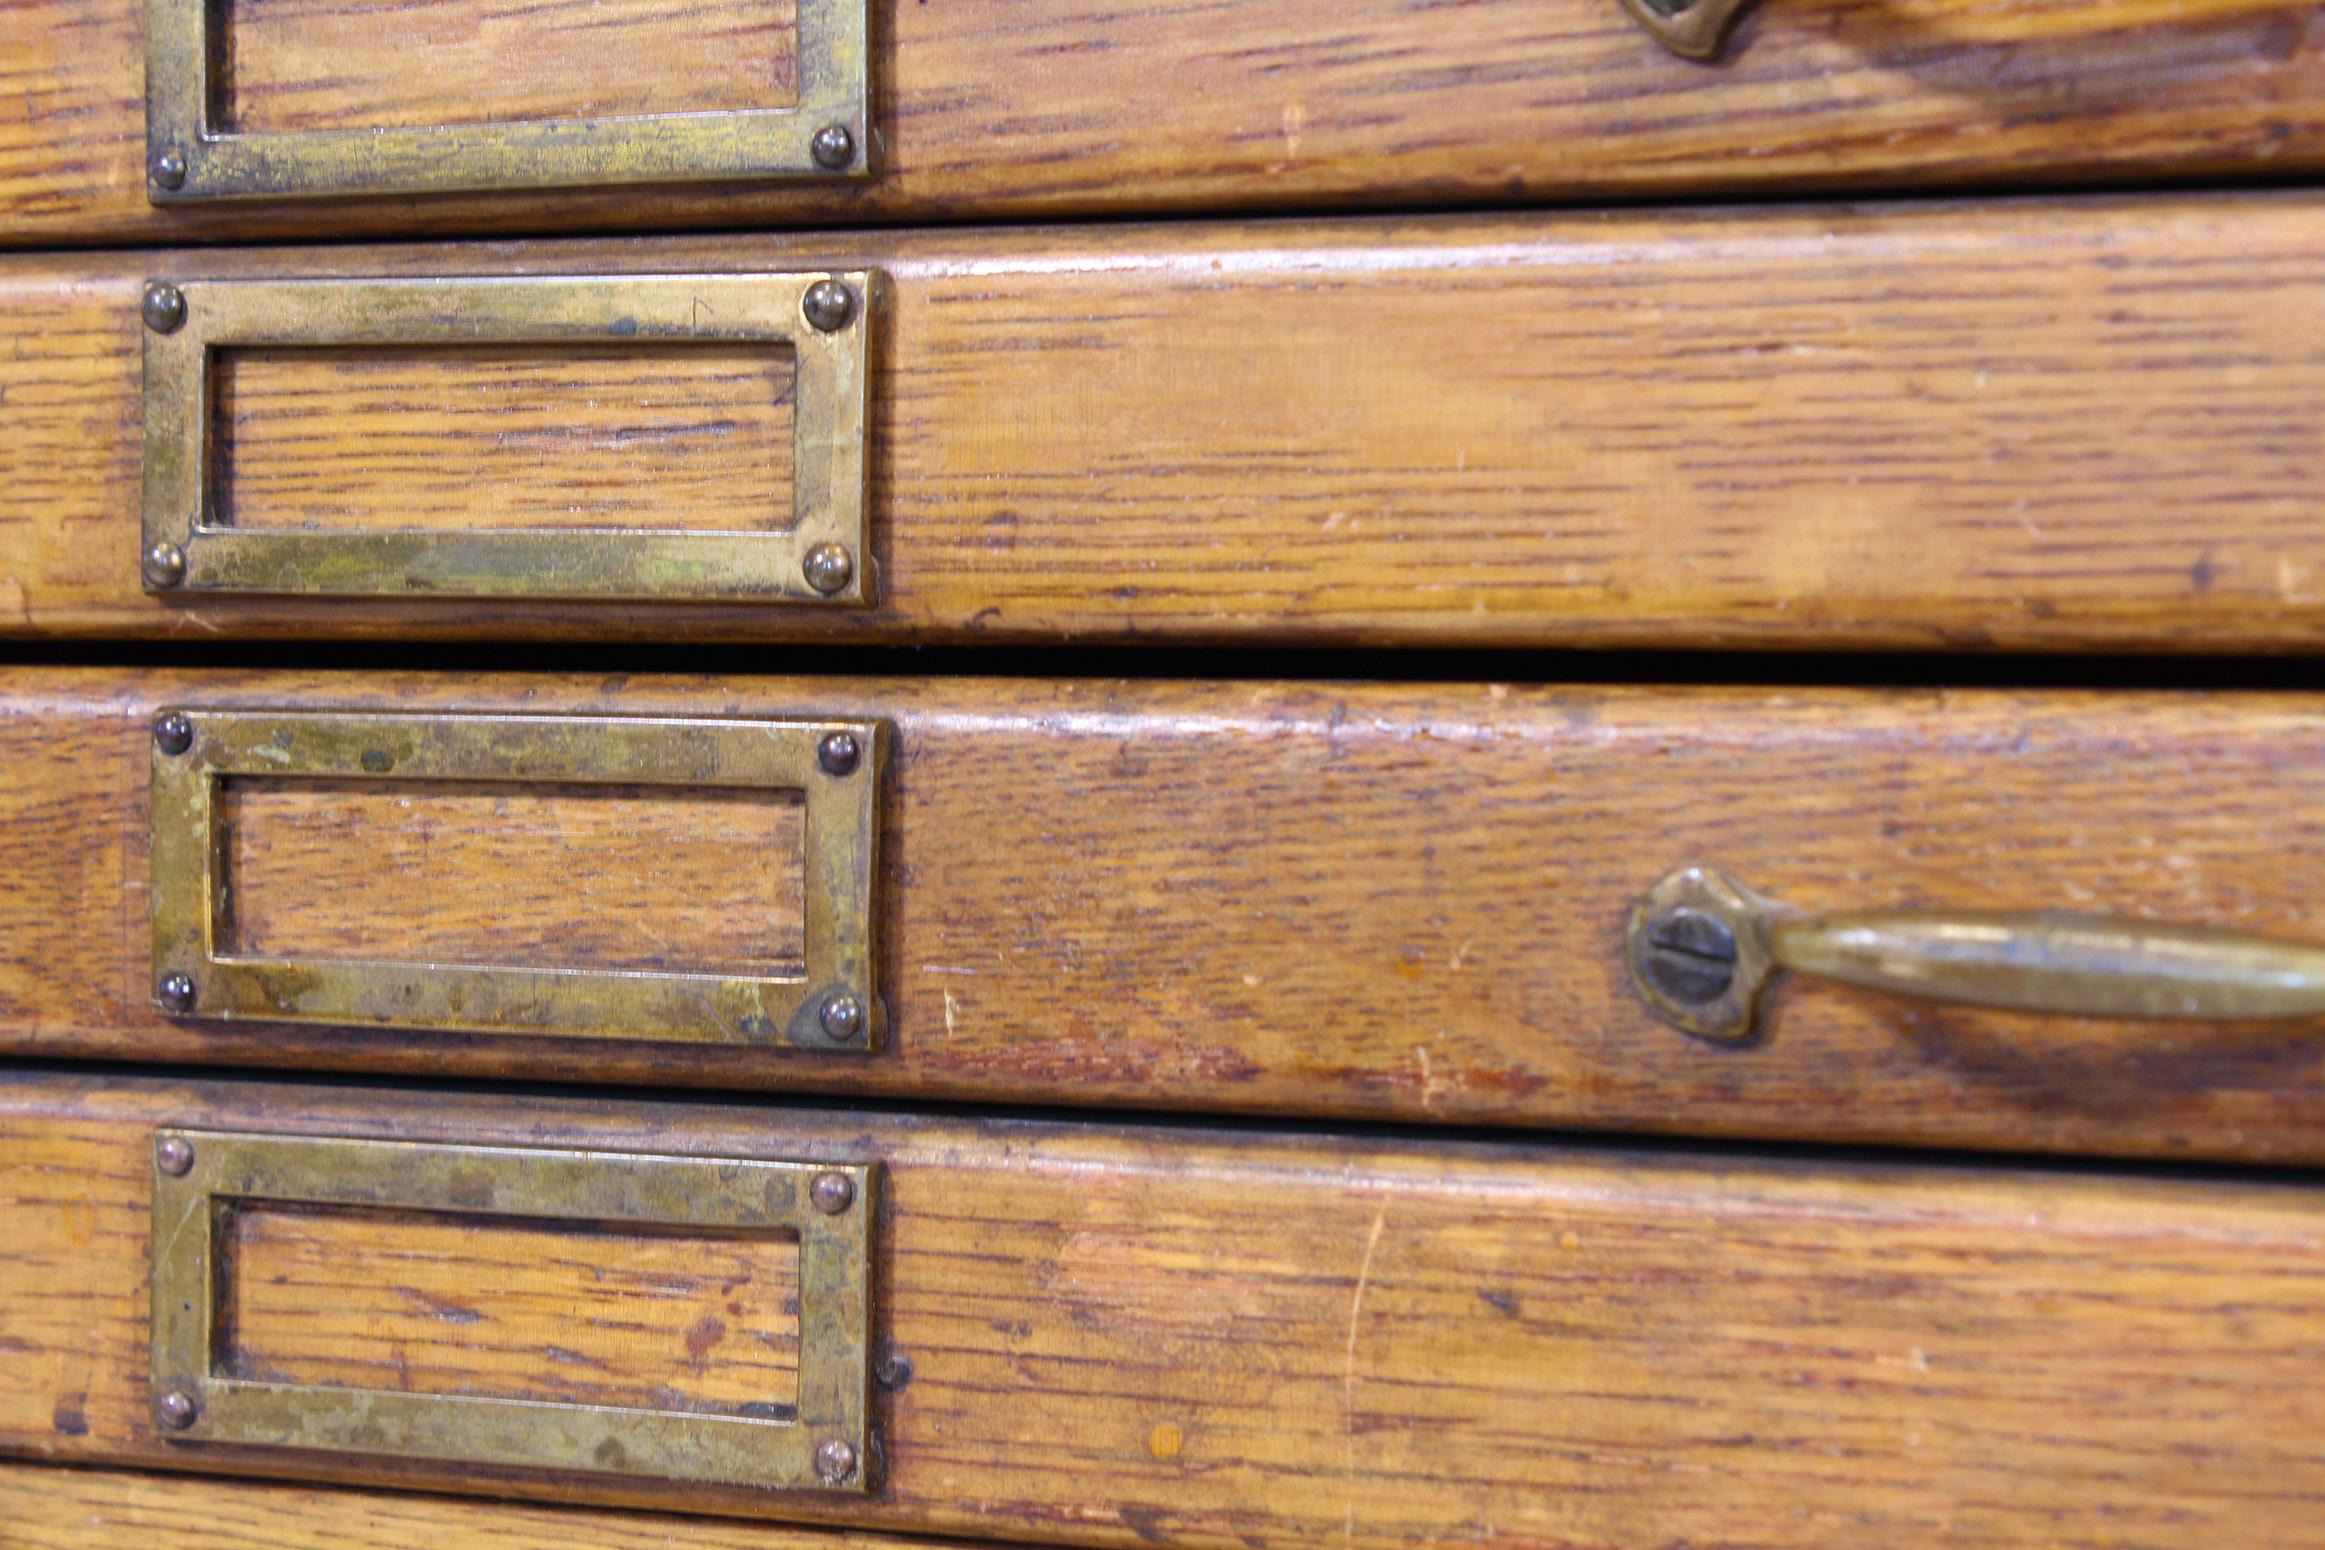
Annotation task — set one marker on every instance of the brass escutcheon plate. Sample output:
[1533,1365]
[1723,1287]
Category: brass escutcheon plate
[182,40]
[840,859]
[223,1169]
[650,565]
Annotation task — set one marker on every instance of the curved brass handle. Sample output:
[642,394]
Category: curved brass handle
[1693,29]
[1703,948]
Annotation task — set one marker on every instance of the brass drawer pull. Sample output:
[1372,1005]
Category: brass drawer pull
[824,1001]
[824,134]
[1703,949]
[1692,29]
[818,1436]
[813,554]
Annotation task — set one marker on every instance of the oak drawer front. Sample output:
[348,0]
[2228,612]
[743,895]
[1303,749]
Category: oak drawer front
[1058,109]
[1396,901]
[1310,1340]
[2091,426]
[106,1509]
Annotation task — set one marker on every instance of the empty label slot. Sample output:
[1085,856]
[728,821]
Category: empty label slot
[504,438]
[482,1307]
[505,875]
[327,65]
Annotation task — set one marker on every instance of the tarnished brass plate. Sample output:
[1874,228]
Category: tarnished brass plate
[208,555]
[842,835]
[200,1176]
[205,162]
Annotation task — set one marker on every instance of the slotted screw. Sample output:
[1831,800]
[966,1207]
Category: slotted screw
[1690,955]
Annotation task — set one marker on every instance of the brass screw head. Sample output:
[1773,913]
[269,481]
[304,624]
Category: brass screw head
[174,1155]
[829,305]
[832,1193]
[827,568]
[164,565]
[169,170]
[833,147]
[175,993]
[838,752]
[176,1410]
[842,1016]
[164,307]
[835,1460]
[173,732]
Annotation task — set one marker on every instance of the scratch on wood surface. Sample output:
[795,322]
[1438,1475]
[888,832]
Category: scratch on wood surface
[1348,1366]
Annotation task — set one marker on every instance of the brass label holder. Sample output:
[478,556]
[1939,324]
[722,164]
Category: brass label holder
[816,554]
[824,1442]
[825,134]
[830,1007]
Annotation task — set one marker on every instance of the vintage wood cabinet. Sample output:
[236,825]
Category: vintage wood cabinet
[792,775]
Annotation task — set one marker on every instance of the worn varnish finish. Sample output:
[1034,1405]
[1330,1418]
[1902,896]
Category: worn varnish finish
[1401,901]
[2065,426]
[587,877]
[1052,107]
[88,1509]
[504,437]
[295,65]
[1119,1336]
[572,1313]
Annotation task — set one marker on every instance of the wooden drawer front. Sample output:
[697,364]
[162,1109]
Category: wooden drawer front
[1115,1337]
[1394,901]
[1052,107]
[95,1509]
[2088,426]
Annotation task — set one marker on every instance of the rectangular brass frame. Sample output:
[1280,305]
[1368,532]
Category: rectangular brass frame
[666,565]
[835,1304]
[842,839]
[181,43]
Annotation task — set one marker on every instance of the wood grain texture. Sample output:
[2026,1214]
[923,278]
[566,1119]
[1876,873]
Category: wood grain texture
[1057,107]
[2097,425]
[44,1508]
[291,65]
[1396,901]
[521,438]
[607,877]
[1124,1337]
[576,1313]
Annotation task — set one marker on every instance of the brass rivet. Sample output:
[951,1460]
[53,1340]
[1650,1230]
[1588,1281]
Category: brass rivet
[835,1460]
[165,565]
[829,305]
[838,752]
[169,170]
[164,307]
[174,1155]
[842,1016]
[833,147]
[175,992]
[176,1410]
[173,732]
[832,1193]
[827,568]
